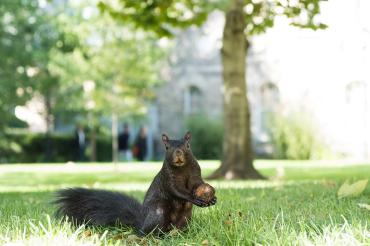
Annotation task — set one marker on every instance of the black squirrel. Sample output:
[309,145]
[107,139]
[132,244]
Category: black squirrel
[167,203]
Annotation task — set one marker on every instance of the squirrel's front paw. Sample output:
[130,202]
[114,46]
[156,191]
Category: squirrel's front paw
[203,203]
[213,201]
[200,202]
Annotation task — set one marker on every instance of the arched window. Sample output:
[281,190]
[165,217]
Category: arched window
[356,117]
[269,95]
[355,92]
[270,98]
[193,102]
[357,102]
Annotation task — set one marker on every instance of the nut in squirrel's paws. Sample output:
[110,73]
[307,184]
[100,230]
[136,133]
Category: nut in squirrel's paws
[206,193]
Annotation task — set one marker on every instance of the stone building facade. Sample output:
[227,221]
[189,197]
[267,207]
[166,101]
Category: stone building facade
[194,83]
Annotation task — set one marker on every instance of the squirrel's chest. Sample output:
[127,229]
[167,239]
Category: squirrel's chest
[181,180]
[180,214]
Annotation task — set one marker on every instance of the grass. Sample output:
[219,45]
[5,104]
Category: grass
[298,208]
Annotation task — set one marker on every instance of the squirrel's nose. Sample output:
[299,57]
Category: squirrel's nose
[178,152]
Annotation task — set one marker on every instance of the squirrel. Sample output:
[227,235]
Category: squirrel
[167,204]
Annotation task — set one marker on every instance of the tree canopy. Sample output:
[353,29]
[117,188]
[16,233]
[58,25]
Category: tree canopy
[63,55]
[163,17]
[50,50]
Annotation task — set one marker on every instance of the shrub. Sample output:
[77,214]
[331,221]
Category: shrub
[296,137]
[208,141]
[31,147]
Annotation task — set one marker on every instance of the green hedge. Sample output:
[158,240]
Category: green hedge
[208,143]
[296,137]
[24,147]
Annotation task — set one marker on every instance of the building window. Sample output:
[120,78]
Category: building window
[356,118]
[269,103]
[356,93]
[193,100]
[269,96]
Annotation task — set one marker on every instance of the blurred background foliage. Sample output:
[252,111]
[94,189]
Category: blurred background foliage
[64,56]
[30,147]
[85,62]
[296,136]
[293,137]
[209,146]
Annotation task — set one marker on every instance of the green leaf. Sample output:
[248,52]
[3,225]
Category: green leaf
[364,205]
[352,190]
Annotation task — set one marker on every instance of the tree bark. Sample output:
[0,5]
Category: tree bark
[237,154]
[49,126]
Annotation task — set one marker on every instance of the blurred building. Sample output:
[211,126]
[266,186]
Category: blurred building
[194,83]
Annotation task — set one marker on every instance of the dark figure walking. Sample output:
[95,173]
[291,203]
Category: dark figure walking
[123,143]
[80,142]
[141,144]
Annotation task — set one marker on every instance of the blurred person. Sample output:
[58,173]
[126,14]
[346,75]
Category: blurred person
[80,142]
[123,144]
[140,147]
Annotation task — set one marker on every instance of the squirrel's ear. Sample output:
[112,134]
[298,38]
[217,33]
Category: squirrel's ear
[165,139]
[187,136]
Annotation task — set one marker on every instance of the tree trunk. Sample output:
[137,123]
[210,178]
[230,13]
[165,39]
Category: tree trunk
[237,160]
[49,127]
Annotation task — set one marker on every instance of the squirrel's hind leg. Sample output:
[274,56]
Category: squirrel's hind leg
[154,221]
[184,216]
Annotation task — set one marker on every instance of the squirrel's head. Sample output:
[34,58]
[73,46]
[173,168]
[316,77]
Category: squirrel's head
[178,152]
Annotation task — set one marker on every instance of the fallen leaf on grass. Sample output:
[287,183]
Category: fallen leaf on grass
[174,232]
[228,222]
[87,233]
[119,237]
[251,198]
[329,183]
[156,241]
[205,243]
[133,238]
[352,190]
[364,205]
[240,213]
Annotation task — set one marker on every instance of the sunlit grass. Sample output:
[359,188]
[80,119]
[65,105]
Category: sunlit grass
[299,207]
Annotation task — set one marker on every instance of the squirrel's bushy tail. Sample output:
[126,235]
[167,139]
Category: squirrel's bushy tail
[98,207]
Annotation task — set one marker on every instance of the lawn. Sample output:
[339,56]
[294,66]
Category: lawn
[298,206]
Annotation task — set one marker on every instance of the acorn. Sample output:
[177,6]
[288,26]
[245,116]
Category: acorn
[205,192]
